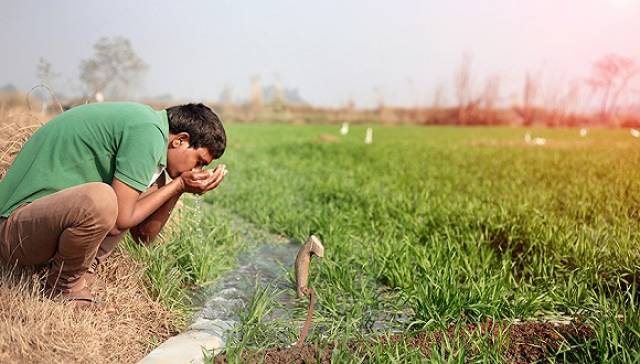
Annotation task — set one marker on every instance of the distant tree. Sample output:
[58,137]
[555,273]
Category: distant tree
[529,96]
[467,104]
[570,103]
[46,76]
[278,102]
[552,105]
[226,96]
[560,104]
[349,109]
[490,98]
[350,105]
[45,72]
[438,97]
[384,111]
[256,93]
[463,88]
[114,69]
[9,88]
[379,95]
[610,79]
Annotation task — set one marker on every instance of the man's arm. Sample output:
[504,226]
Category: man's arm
[148,230]
[134,209]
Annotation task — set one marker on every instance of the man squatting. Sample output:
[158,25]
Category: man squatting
[93,173]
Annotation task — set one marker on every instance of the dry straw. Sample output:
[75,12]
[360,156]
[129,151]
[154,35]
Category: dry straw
[34,329]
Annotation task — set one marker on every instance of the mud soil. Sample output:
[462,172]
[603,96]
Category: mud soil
[524,343]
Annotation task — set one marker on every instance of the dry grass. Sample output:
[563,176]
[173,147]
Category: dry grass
[34,329]
[16,126]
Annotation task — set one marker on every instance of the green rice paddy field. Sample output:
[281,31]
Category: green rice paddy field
[442,227]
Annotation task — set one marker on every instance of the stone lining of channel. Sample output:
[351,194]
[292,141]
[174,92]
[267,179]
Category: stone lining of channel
[260,264]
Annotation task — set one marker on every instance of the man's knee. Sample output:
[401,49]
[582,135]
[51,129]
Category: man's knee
[102,202]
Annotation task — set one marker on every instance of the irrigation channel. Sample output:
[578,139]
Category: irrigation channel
[262,263]
[266,261]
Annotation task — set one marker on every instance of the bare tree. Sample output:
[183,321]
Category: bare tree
[438,97]
[560,104]
[349,109]
[463,88]
[571,101]
[383,111]
[45,72]
[226,97]
[551,101]
[490,98]
[527,111]
[279,102]
[610,79]
[379,95]
[256,93]
[114,70]
[46,75]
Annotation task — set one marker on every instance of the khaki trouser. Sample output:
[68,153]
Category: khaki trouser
[68,228]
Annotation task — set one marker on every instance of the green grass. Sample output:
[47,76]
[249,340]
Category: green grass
[452,225]
[196,252]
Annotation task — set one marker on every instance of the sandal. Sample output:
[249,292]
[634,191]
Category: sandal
[85,300]
[82,299]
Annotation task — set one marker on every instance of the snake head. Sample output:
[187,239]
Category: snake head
[311,247]
[316,246]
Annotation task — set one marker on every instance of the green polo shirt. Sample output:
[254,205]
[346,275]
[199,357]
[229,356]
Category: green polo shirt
[89,143]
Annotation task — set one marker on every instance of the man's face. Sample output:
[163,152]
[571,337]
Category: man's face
[181,158]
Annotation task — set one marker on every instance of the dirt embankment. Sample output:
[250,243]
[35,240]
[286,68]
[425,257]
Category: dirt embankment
[522,343]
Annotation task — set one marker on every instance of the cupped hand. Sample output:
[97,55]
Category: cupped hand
[199,181]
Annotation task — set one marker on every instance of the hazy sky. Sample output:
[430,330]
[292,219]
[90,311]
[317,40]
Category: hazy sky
[329,50]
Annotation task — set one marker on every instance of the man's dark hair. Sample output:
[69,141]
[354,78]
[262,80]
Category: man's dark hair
[203,125]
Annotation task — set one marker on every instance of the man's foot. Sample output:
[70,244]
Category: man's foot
[84,300]
[78,299]
[90,275]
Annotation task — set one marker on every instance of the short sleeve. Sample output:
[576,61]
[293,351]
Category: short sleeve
[138,155]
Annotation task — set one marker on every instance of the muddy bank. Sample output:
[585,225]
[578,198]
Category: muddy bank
[522,343]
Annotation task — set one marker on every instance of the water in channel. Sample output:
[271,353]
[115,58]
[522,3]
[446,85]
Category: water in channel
[264,262]
[267,261]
